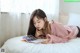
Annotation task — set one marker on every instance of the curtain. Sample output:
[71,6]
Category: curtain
[49,6]
[13,25]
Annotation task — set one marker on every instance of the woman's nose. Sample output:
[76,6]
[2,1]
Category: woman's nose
[37,25]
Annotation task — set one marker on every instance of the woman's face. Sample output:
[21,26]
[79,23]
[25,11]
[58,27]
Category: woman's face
[38,23]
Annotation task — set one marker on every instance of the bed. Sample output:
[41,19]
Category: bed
[15,45]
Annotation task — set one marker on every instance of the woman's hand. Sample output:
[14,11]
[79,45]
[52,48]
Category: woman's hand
[56,39]
[38,32]
[46,41]
[24,38]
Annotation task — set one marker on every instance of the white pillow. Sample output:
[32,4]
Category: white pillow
[74,19]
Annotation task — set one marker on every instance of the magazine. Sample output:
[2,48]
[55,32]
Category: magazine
[29,38]
[32,39]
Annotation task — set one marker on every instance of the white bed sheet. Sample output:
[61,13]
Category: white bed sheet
[15,45]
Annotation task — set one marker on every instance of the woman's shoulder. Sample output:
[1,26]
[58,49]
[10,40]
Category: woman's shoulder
[52,22]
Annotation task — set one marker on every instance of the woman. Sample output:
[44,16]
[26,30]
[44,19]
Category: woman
[53,32]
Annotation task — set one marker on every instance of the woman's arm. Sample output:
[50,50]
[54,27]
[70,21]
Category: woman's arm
[64,31]
[72,32]
[56,39]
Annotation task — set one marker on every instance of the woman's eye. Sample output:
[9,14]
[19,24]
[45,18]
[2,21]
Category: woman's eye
[39,22]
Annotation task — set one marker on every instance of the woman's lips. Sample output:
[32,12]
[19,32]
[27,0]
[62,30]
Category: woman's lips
[38,28]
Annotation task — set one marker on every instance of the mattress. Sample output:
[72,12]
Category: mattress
[15,45]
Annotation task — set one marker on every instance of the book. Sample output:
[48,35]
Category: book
[32,39]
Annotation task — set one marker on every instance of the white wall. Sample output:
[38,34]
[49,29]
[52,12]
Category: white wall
[68,7]
[74,19]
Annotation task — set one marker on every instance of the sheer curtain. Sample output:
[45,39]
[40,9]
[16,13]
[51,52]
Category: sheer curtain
[15,15]
[27,6]
[51,7]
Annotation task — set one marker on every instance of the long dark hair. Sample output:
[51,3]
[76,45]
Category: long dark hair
[40,14]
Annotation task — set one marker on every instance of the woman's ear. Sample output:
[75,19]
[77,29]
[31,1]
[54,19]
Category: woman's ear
[45,18]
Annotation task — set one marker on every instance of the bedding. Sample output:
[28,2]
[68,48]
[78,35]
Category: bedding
[15,45]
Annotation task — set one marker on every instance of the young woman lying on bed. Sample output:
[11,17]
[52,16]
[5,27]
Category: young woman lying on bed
[53,32]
